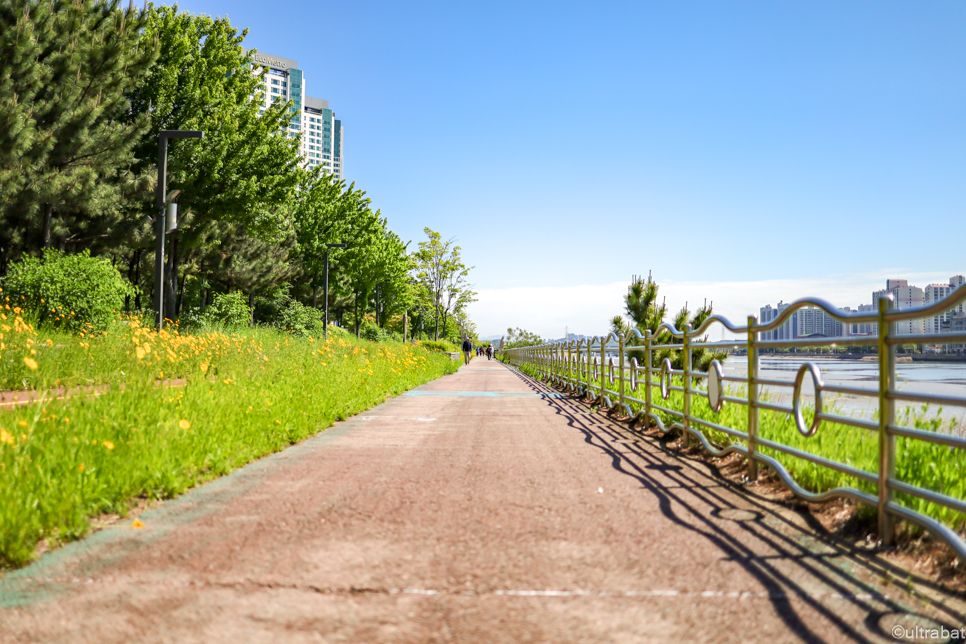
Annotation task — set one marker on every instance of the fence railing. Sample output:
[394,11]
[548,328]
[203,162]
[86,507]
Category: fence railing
[607,369]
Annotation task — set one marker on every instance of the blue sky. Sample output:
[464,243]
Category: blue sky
[809,145]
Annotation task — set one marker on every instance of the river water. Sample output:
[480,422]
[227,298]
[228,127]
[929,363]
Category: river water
[944,378]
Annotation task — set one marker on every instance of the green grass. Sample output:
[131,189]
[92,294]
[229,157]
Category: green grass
[247,394]
[927,465]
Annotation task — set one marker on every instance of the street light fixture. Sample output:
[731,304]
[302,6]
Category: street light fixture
[163,199]
[325,320]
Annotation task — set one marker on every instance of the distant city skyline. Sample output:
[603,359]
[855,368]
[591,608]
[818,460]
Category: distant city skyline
[812,321]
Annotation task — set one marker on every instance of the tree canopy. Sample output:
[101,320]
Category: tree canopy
[85,87]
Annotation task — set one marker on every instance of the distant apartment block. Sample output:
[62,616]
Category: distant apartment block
[903,297]
[936,292]
[322,134]
[803,323]
[814,322]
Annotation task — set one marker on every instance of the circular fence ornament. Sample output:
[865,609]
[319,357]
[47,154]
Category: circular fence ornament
[715,386]
[812,369]
[666,368]
[634,374]
[610,369]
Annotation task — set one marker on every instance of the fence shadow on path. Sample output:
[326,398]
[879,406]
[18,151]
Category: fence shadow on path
[799,556]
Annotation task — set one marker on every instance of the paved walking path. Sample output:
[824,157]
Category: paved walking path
[481,507]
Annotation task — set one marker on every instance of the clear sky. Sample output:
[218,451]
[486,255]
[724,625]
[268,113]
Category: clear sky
[777,149]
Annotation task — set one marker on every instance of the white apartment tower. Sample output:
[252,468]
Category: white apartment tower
[903,297]
[322,135]
[936,292]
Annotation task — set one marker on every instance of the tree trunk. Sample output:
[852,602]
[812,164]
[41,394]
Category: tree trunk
[130,278]
[137,281]
[184,278]
[251,306]
[172,286]
[357,314]
[168,289]
[48,224]
[436,325]
[377,307]
[444,324]
[204,299]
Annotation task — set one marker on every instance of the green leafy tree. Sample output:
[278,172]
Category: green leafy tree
[440,268]
[246,171]
[520,338]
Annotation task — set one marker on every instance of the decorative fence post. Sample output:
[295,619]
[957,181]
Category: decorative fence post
[753,410]
[571,363]
[620,360]
[686,351]
[647,377]
[887,413]
[587,392]
[603,344]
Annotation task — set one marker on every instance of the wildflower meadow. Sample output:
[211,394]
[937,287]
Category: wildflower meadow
[151,414]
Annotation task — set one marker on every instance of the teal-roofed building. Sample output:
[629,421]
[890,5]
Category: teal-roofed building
[323,133]
[322,136]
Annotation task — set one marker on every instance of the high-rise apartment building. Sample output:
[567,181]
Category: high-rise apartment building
[936,292]
[903,297]
[784,332]
[322,135]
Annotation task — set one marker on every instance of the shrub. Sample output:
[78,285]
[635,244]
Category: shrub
[440,345]
[299,319]
[373,332]
[228,310]
[67,291]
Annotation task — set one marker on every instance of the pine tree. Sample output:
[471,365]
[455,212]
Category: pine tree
[69,134]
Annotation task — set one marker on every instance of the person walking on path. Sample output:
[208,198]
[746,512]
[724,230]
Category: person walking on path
[467,347]
[489,352]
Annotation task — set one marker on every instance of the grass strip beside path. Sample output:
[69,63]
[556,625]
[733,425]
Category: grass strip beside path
[246,395]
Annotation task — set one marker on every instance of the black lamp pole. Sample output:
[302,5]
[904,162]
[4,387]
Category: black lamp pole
[159,218]
[325,325]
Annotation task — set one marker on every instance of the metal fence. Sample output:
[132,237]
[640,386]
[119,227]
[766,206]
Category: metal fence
[606,369]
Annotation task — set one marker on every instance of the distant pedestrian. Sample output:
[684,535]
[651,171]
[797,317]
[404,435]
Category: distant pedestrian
[467,347]
[489,352]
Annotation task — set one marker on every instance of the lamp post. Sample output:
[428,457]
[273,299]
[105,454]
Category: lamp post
[163,199]
[325,293]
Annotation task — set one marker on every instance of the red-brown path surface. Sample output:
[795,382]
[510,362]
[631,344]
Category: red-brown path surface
[447,515]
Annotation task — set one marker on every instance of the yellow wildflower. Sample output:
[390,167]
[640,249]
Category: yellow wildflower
[204,367]
[6,437]
[108,444]
[80,468]
[140,353]
[137,524]
[184,424]
[31,363]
